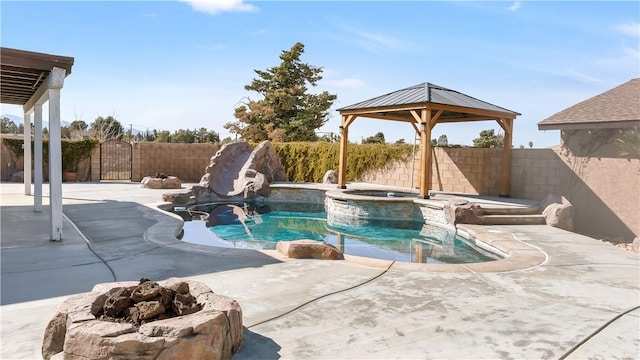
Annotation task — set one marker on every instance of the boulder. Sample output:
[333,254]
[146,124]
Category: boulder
[309,249]
[179,198]
[635,246]
[237,170]
[462,212]
[557,211]
[330,177]
[169,182]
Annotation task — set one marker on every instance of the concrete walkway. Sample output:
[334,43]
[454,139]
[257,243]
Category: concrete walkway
[582,302]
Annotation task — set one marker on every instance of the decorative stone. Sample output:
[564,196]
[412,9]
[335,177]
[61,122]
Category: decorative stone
[170,182]
[557,211]
[179,198]
[237,170]
[214,332]
[309,249]
[462,212]
[330,177]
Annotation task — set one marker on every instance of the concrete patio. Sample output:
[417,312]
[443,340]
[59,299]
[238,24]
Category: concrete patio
[582,302]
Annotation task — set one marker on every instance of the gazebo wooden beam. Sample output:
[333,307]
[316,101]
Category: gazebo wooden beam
[388,117]
[467,119]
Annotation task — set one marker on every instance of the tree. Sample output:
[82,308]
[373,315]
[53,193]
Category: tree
[107,128]
[287,112]
[443,141]
[7,126]
[488,139]
[375,139]
[162,136]
[530,144]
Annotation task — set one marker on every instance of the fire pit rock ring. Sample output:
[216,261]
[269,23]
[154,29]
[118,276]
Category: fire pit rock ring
[208,328]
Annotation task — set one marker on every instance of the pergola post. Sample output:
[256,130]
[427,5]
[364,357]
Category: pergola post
[505,179]
[425,153]
[342,167]
[344,142]
[26,173]
[37,157]
[56,81]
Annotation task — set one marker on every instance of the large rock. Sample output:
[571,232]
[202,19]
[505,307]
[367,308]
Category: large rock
[236,170]
[462,212]
[557,211]
[214,332]
[169,182]
[308,249]
[330,177]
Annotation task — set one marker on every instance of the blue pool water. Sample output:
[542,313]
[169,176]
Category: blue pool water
[249,227]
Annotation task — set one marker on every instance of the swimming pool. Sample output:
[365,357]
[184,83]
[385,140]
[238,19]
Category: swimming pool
[252,226]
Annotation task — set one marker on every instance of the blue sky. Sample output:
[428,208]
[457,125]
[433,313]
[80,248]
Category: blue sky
[175,65]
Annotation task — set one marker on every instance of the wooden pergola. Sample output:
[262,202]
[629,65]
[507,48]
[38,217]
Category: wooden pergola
[423,106]
[31,79]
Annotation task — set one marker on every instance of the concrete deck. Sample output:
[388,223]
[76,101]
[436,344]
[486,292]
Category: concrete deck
[582,302]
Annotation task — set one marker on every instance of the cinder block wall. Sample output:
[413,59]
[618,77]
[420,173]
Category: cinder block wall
[535,173]
[186,161]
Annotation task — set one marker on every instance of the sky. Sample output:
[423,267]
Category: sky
[171,65]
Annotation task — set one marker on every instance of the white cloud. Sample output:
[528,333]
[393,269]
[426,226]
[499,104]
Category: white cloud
[346,83]
[629,29]
[516,5]
[214,7]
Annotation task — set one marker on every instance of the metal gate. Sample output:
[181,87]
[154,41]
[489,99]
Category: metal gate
[115,160]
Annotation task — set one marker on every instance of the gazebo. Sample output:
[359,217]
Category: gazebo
[31,79]
[423,106]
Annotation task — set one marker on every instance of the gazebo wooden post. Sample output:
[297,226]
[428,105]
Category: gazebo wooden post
[344,141]
[425,152]
[505,179]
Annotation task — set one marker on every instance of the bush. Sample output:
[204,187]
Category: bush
[73,152]
[309,161]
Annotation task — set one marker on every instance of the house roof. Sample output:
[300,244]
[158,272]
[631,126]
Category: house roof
[427,93]
[22,72]
[616,108]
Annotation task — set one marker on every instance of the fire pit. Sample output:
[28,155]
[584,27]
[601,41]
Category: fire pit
[169,319]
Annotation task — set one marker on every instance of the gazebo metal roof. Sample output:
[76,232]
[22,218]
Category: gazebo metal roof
[426,93]
[423,106]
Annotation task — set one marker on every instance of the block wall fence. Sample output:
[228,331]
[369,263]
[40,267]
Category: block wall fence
[534,172]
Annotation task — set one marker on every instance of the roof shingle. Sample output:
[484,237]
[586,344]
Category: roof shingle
[618,107]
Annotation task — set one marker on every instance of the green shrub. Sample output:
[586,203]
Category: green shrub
[309,161]
[73,152]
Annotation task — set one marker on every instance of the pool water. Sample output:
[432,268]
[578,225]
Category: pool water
[248,226]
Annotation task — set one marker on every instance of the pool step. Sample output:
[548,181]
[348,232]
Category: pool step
[533,219]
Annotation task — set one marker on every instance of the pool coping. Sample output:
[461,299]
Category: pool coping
[520,255]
